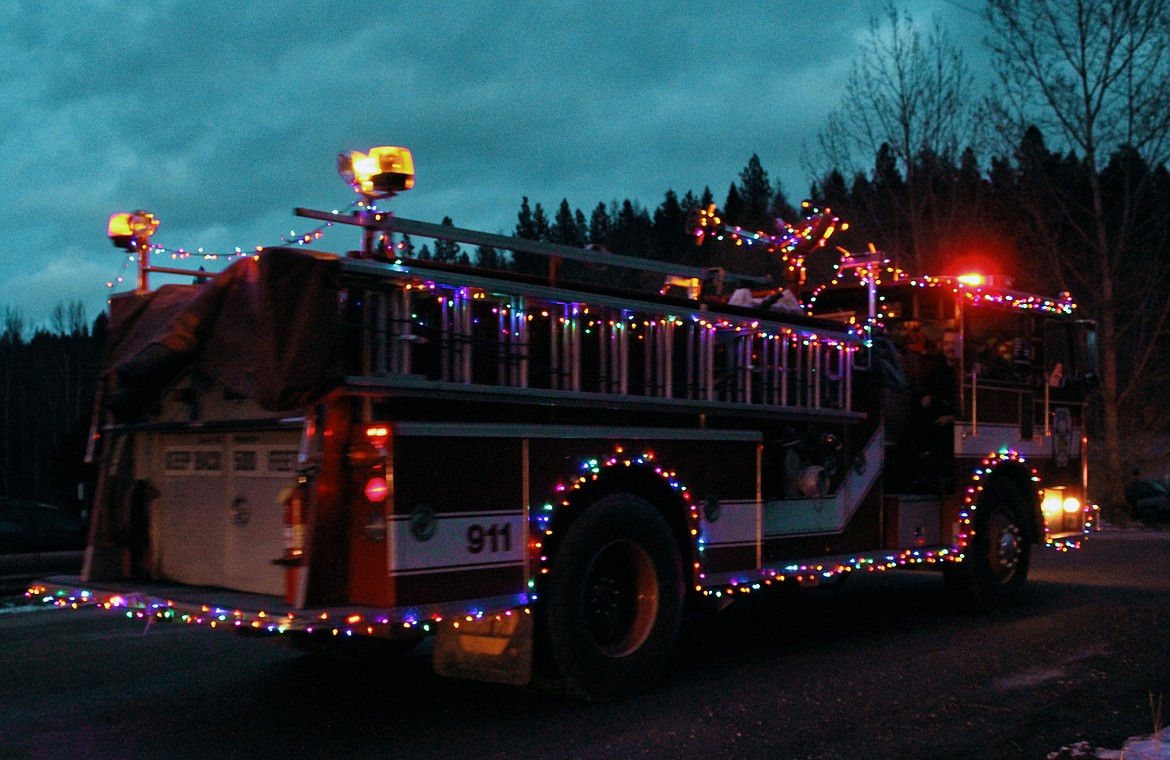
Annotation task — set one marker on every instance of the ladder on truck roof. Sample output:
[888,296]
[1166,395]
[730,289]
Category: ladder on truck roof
[381,221]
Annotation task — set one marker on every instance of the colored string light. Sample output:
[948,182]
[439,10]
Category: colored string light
[387,623]
[974,291]
[308,621]
[182,253]
[793,242]
[591,471]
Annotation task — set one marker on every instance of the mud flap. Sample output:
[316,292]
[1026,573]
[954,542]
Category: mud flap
[494,648]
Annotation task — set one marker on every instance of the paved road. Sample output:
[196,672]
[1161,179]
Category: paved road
[883,668]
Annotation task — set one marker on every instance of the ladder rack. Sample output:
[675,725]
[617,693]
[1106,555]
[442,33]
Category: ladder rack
[424,327]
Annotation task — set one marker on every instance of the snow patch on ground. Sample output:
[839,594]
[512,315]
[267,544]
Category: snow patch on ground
[1029,679]
[1037,676]
[1144,748]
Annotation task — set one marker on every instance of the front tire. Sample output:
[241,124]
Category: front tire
[615,599]
[995,567]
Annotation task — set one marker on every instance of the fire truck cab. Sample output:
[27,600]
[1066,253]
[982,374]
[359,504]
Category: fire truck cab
[989,395]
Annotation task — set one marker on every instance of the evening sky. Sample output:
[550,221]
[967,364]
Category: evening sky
[220,118]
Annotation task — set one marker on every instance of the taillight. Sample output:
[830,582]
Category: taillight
[378,435]
[368,457]
[376,489]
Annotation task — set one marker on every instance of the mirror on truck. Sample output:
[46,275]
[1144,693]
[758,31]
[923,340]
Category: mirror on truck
[1087,349]
[1070,354]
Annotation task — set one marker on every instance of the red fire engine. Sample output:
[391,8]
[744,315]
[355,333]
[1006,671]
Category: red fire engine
[544,474]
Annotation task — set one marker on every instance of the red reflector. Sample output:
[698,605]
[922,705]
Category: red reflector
[376,489]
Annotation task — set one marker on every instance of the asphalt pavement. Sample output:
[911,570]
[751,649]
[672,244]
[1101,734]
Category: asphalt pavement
[885,667]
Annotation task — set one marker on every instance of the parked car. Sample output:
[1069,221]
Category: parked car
[1149,502]
[38,538]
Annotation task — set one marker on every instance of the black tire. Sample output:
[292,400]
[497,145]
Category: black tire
[614,599]
[995,567]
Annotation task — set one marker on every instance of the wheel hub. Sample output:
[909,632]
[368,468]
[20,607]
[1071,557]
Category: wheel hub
[607,600]
[1004,546]
[621,598]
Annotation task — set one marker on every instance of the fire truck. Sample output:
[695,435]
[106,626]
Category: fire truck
[542,474]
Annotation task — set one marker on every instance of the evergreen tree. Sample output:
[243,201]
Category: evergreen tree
[600,226]
[405,247]
[569,229]
[633,231]
[781,208]
[565,229]
[489,258]
[541,224]
[632,235]
[672,241]
[582,226]
[447,251]
[832,191]
[530,225]
[47,386]
[755,197]
[733,207]
[525,226]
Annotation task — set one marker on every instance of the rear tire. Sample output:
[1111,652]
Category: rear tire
[615,599]
[995,567]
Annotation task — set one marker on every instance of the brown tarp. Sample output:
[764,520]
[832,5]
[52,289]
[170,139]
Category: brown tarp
[265,328]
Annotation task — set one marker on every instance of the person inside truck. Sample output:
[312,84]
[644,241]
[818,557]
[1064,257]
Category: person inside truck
[934,412]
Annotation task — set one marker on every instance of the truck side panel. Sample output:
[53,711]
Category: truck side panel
[456,524]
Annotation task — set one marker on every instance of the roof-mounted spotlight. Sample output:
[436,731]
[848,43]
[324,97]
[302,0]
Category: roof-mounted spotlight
[381,173]
[131,230]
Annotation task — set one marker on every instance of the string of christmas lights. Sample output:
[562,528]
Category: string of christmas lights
[971,496]
[827,569]
[793,242]
[586,318]
[182,253]
[387,623]
[591,471]
[308,621]
[973,288]
[971,503]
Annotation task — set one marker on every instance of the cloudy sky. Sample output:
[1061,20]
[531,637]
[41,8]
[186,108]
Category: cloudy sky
[220,118]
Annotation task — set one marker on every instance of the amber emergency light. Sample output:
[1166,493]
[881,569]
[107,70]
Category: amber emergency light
[381,173]
[131,230]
